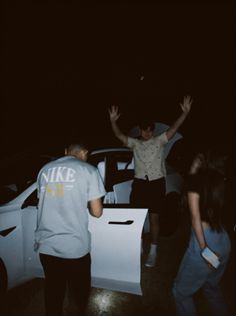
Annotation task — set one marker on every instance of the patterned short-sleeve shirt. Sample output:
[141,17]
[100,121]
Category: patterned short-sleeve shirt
[149,159]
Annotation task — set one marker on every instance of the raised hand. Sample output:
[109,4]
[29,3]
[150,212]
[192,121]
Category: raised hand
[114,113]
[186,104]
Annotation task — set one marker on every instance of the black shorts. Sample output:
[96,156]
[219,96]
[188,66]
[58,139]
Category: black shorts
[148,194]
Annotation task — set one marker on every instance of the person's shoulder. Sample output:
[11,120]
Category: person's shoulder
[49,164]
[83,165]
[133,139]
[61,160]
[162,136]
[89,166]
[132,142]
[64,161]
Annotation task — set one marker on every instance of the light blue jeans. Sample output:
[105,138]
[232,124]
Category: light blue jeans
[194,273]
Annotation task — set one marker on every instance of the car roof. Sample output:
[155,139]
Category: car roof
[106,150]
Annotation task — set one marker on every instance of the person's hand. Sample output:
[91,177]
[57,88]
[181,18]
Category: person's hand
[186,104]
[212,258]
[114,114]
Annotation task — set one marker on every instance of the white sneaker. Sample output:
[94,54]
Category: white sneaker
[151,260]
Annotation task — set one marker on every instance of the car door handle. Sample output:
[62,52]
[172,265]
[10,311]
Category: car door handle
[128,222]
[7,231]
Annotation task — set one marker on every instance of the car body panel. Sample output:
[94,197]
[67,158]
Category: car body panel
[18,223]
[12,248]
[116,249]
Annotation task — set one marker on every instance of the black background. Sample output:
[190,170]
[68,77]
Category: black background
[65,62]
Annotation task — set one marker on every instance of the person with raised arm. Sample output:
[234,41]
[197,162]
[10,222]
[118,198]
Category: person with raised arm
[148,188]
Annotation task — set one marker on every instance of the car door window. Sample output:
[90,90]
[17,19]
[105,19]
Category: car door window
[32,200]
[117,171]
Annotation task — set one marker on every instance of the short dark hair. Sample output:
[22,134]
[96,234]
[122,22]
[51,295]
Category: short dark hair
[76,146]
[145,124]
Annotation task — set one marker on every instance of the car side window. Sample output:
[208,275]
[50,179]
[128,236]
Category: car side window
[117,171]
[32,200]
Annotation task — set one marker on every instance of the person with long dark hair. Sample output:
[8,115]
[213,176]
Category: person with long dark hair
[206,257]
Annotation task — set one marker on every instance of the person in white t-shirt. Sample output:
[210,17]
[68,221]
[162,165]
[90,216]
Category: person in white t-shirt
[67,188]
[148,189]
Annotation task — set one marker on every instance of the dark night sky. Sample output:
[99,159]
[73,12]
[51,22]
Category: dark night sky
[65,62]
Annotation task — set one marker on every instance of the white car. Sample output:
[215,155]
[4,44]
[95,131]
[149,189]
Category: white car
[17,218]
[18,260]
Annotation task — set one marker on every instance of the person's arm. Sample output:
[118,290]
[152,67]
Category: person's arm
[95,207]
[185,106]
[193,202]
[211,257]
[114,116]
